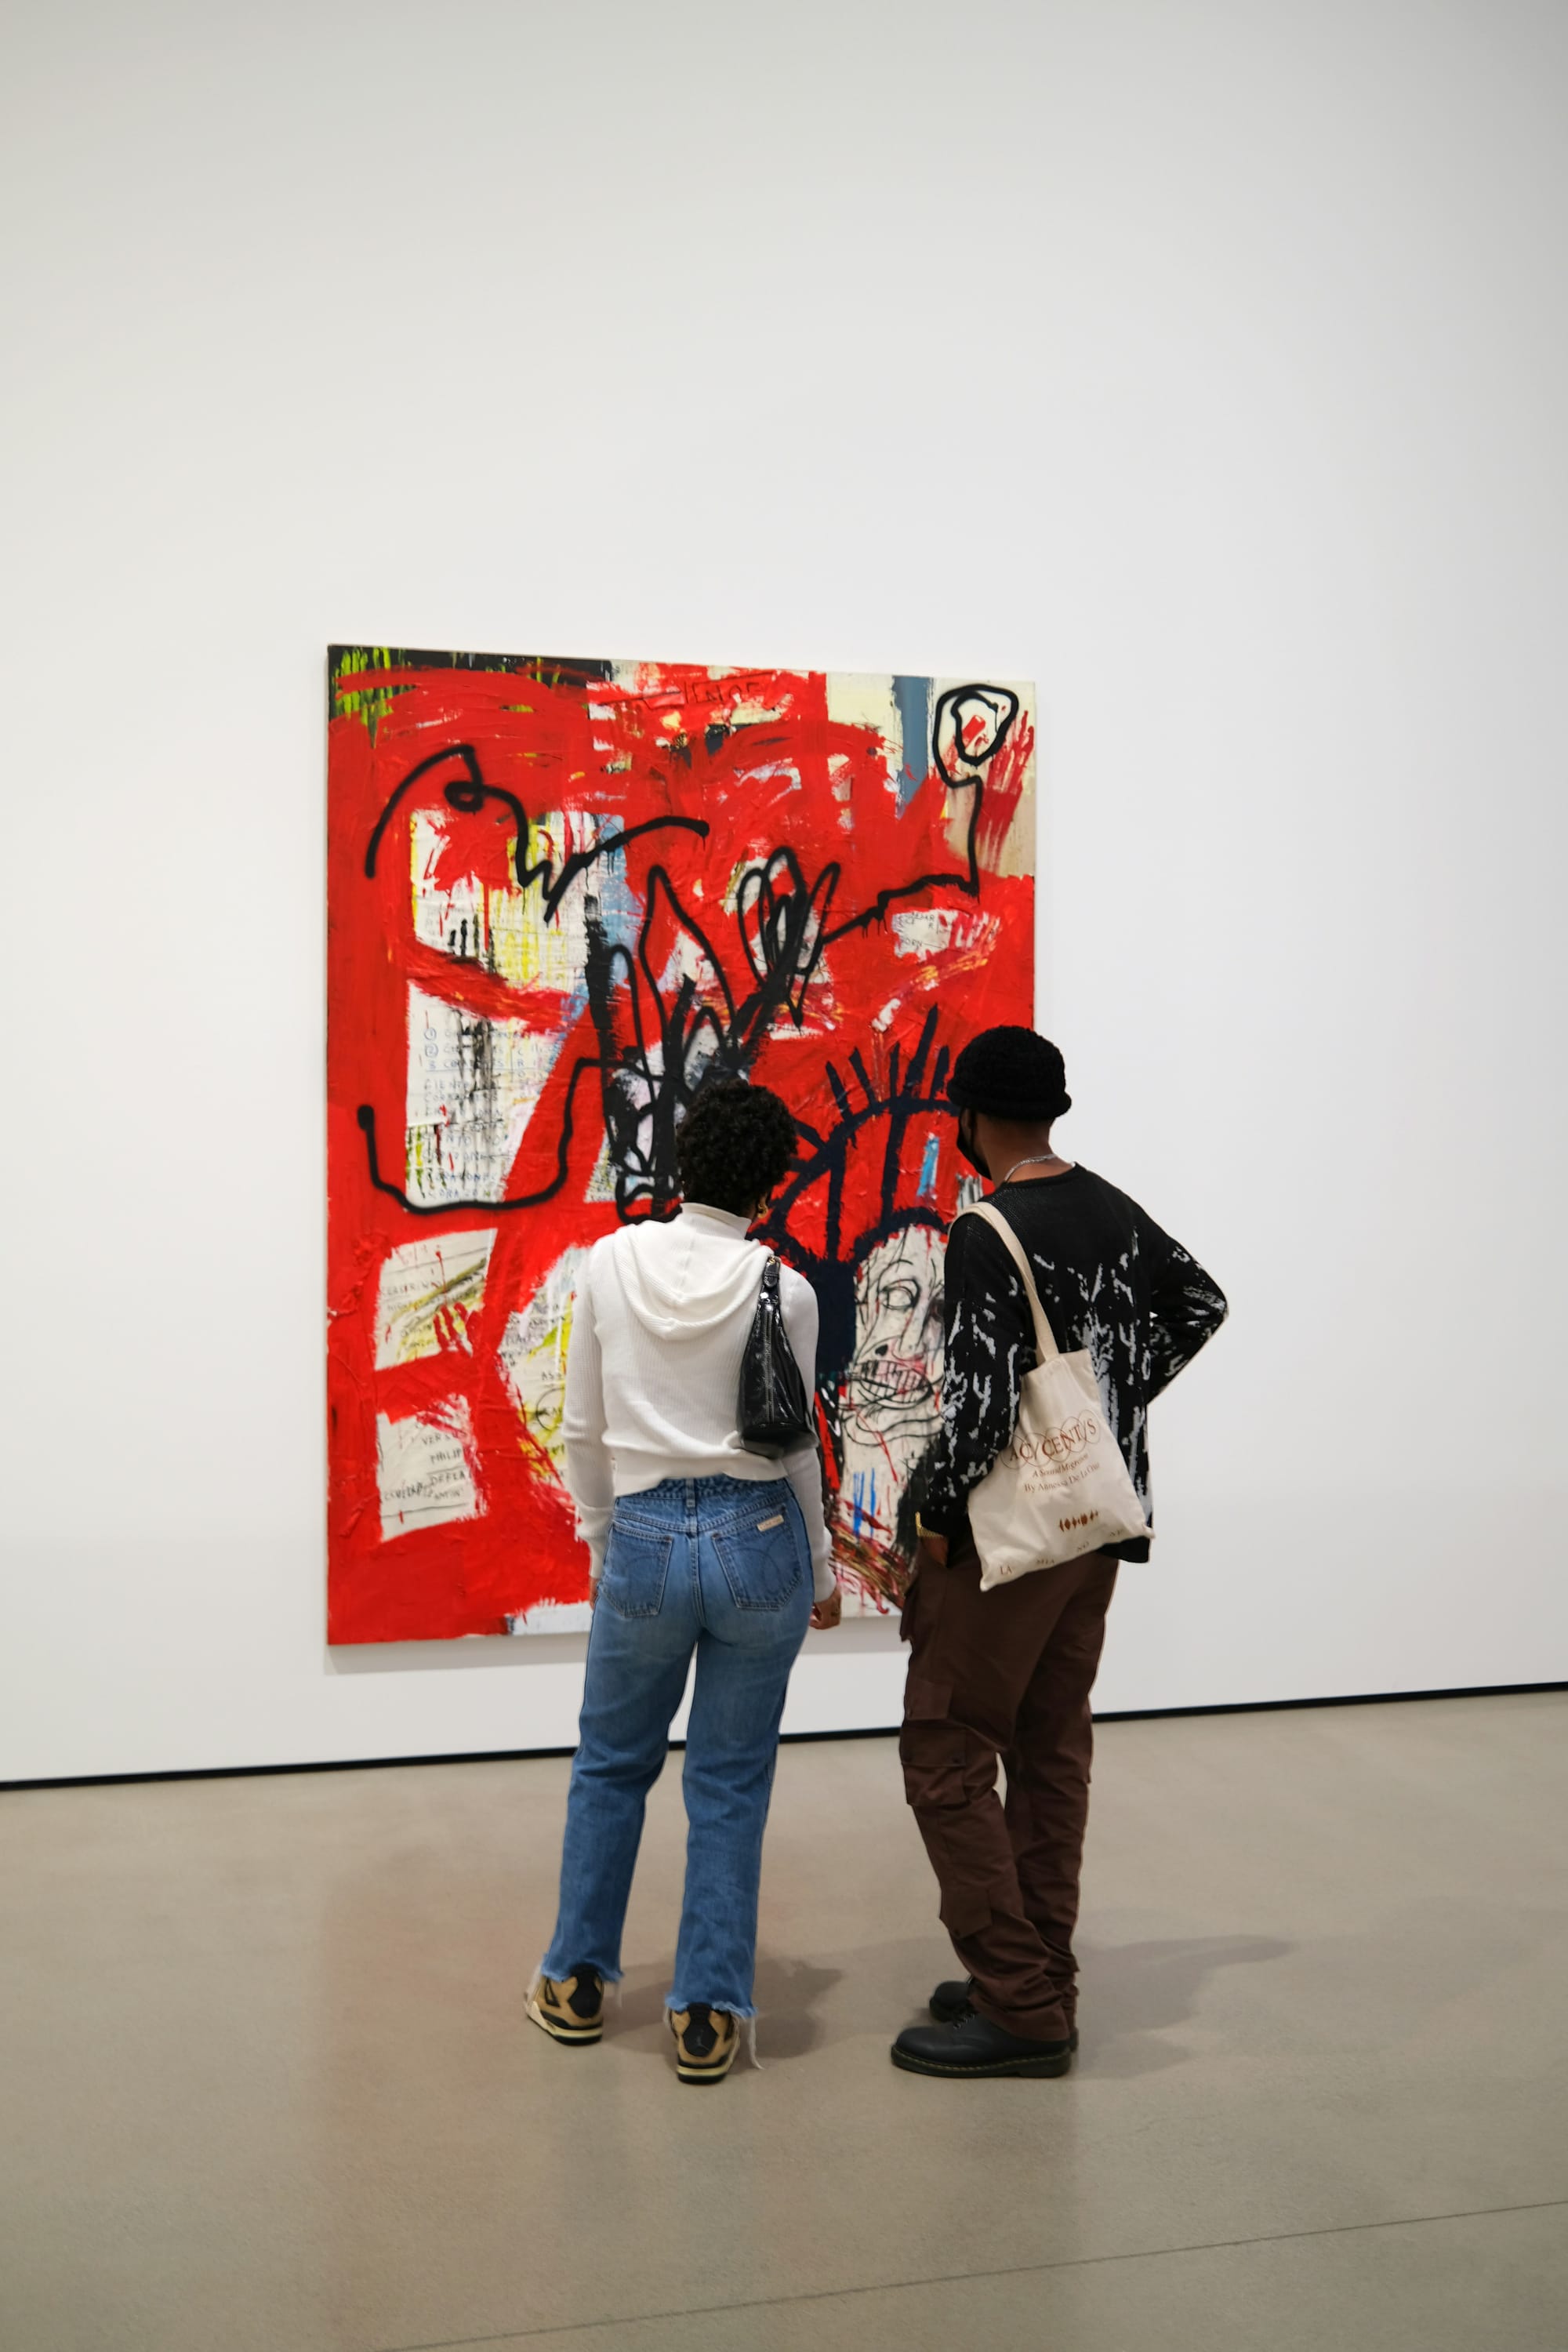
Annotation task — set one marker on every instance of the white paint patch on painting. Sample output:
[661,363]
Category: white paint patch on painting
[554,1617]
[534,1353]
[858,699]
[473,1083]
[428,1290]
[770,771]
[923,930]
[600,1185]
[689,961]
[862,698]
[422,1469]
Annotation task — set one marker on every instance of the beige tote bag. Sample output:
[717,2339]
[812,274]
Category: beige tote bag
[1061,1488]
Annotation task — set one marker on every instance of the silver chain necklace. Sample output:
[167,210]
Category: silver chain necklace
[1035,1160]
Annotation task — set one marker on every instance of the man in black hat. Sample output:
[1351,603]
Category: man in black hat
[1007,1674]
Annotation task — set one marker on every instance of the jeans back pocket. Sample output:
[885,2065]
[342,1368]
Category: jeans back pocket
[636,1562]
[764,1557]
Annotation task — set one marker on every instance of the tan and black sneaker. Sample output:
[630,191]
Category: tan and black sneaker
[570,2009]
[706,2040]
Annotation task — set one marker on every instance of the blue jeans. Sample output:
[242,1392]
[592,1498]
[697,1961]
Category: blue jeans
[720,1566]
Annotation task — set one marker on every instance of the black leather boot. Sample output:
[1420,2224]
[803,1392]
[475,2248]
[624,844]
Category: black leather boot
[972,2046]
[950,1998]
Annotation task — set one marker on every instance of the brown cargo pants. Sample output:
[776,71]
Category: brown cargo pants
[1006,1674]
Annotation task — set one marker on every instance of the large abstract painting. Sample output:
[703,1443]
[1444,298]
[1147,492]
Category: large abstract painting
[562,894]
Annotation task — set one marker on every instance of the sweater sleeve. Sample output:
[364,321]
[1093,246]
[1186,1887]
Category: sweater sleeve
[989,1346]
[1186,1308]
[803,1465]
[589,1478]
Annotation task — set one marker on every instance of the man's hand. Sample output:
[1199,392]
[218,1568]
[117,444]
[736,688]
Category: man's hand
[826,1614]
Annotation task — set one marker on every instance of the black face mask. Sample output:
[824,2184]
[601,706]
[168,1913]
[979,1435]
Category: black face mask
[966,1149]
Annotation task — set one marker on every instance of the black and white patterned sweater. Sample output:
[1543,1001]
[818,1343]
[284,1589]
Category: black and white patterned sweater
[1110,1280]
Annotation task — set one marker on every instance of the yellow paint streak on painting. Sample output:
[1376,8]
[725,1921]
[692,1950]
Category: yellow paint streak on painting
[545,1380]
[940,971]
[526,950]
[534,1353]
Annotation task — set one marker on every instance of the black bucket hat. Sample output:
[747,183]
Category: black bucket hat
[1013,1074]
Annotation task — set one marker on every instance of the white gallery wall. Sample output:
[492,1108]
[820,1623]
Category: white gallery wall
[1205,362]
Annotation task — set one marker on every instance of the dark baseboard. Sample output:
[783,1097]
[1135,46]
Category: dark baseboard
[1241,1707]
[1347,1698]
[870,1731]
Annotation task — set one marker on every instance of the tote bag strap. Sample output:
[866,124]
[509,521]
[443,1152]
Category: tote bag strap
[1045,1337]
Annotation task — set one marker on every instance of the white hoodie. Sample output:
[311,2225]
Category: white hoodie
[659,1330]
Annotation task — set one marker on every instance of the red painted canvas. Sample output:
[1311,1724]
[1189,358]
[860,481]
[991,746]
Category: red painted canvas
[561,895]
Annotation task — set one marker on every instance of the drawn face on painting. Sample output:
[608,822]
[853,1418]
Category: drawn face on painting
[892,1388]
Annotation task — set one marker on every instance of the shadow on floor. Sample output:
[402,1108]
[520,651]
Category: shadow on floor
[1130,1992]
[786,1993]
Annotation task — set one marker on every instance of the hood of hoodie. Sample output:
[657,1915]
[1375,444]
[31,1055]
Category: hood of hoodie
[687,1276]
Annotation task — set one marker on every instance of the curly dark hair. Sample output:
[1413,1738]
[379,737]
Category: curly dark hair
[735,1145]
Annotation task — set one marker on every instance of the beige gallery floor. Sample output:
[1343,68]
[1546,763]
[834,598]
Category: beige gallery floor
[268,2087]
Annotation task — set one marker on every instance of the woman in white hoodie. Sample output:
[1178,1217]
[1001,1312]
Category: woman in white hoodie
[695,1545]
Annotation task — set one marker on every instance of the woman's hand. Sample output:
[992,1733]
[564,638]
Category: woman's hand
[826,1614]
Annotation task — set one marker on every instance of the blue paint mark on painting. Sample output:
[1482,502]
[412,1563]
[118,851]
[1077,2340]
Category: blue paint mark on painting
[620,910]
[911,701]
[928,1169]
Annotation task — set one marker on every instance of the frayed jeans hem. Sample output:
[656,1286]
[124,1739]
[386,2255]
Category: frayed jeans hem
[746,2016]
[611,1976]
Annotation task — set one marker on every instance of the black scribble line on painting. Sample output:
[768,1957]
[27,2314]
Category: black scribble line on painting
[469,792]
[661,1039]
[648,1086]
[582,860]
[447,1205]
[919,1094]
[781,936]
[1001,706]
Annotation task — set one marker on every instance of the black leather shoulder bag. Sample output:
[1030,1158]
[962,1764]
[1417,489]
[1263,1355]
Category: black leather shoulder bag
[773,1412]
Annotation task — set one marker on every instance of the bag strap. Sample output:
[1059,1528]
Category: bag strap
[1046,1346]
